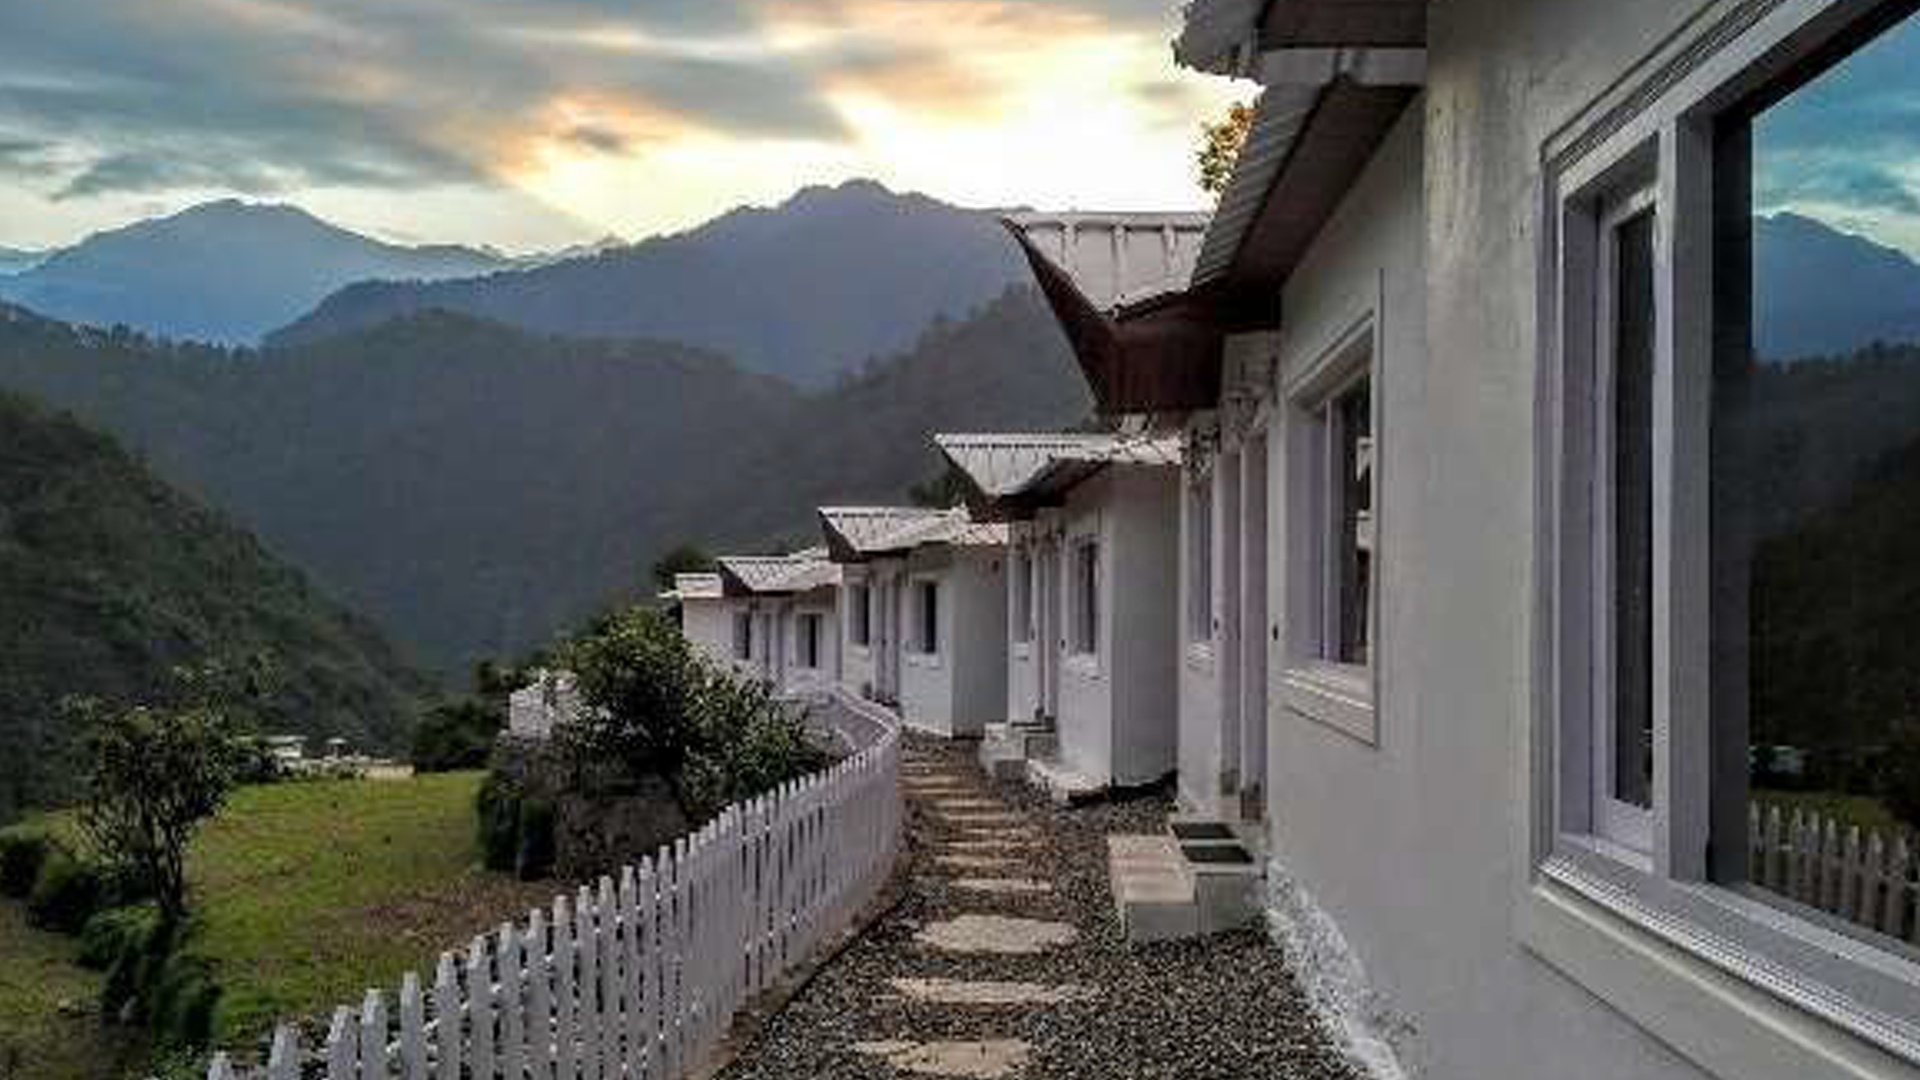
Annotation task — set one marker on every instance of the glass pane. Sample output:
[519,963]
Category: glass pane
[1353,530]
[1817,495]
[1632,568]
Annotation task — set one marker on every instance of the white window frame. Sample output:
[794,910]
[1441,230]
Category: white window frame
[1641,925]
[743,635]
[1083,632]
[1338,695]
[1201,624]
[1612,819]
[1023,587]
[860,615]
[809,643]
[922,589]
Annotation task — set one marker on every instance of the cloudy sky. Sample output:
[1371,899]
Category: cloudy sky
[534,123]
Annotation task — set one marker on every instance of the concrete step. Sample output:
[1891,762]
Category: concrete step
[1062,784]
[1151,890]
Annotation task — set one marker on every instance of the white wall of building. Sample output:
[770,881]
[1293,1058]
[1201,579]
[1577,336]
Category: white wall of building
[1116,719]
[961,687]
[1416,844]
[1199,660]
[800,676]
[708,627]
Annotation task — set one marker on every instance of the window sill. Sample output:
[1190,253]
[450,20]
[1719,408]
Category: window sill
[1337,695]
[1740,987]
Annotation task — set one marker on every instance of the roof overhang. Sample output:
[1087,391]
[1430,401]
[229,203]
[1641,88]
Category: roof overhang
[1230,37]
[1162,354]
[1012,476]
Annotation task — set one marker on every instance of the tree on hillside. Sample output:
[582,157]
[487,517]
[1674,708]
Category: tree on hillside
[155,773]
[683,559]
[944,491]
[1219,149]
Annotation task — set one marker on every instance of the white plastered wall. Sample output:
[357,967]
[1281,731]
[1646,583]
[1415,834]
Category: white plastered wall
[962,687]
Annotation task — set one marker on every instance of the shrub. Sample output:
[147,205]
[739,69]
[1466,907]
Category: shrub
[180,1009]
[498,808]
[533,859]
[65,894]
[455,734]
[639,682]
[21,854]
[112,933]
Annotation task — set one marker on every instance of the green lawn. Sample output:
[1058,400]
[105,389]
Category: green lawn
[47,1004]
[307,893]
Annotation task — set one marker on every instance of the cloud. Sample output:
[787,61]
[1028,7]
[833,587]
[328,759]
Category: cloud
[1849,140]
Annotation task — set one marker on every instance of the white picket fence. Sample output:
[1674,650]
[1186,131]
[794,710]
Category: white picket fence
[639,978]
[1859,875]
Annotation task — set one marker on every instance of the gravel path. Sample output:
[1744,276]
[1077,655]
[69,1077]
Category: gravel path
[1093,1008]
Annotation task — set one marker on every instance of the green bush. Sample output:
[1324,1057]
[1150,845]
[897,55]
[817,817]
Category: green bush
[114,932]
[455,734]
[534,857]
[498,808]
[184,998]
[21,854]
[65,894]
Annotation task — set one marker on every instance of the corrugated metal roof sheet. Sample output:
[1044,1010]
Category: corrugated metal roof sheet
[801,571]
[695,587]
[1278,119]
[1118,258]
[1008,466]
[866,531]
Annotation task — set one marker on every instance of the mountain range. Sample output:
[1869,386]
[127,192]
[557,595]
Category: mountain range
[112,578]
[225,272]
[1818,291]
[473,487]
[807,290]
[15,260]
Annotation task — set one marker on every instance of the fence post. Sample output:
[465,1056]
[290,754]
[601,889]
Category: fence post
[413,1022]
[446,1018]
[539,969]
[512,1003]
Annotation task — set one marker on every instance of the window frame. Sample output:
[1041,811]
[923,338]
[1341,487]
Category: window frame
[1084,563]
[807,648]
[743,635]
[860,615]
[926,616]
[1201,624]
[1023,606]
[1338,695]
[1599,910]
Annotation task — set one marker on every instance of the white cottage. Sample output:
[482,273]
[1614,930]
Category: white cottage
[785,618]
[925,612]
[1090,598]
[1481,368]
[706,615]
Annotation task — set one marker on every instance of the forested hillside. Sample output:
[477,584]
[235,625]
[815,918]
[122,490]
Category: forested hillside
[111,578]
[474,488]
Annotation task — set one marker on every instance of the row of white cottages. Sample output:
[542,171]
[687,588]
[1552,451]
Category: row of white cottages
[1357,561]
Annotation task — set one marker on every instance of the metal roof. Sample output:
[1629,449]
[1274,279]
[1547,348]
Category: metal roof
[1118,258]
[801,571]
[862,532]
[1009,467]
[1278,119]
[695,587]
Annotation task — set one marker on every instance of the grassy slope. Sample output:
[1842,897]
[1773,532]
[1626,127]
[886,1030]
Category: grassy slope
[308,893]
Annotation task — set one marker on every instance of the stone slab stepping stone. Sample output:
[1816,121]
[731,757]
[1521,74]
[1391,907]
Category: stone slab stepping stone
[1005,845]
[969,804]
[997,934]
[962,992]
[985,1060]
[981,817]
[978,862]
[1004,886]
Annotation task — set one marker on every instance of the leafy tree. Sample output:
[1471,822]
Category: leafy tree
[946,489]
[1219,150]
[156,772]
[456,733]
[683,559]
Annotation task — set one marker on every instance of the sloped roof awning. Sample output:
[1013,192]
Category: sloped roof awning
[777,575]
[1016,473]
[1224,37]
[695,587]
[1161,353]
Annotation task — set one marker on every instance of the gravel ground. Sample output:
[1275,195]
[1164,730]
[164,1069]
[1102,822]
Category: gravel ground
[1221,1007]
